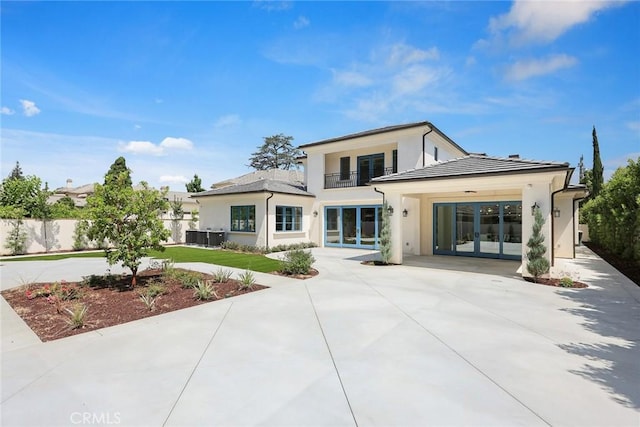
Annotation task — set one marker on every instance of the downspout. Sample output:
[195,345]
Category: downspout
[378,191]
[424,148]
[553,221]
[266,239]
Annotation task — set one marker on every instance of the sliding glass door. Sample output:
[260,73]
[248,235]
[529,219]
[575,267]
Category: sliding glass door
[486,229]
[353,226]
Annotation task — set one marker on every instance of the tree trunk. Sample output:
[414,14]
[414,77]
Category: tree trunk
[134,275]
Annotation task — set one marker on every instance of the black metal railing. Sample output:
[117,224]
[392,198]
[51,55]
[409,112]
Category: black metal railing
[353,179]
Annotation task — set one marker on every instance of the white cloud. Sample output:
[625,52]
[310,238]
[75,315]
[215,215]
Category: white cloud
[544,21]
[29,108]
[522,70]
[351,78]
[301,22]
[414,79]
[158,100]
[273,5]
[137,127]
[147,147]
[227,121]
[173,179]
[176,143]
[7,111]
[141,147]
[402,54]
[634,126]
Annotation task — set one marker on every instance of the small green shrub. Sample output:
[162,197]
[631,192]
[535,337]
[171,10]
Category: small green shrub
[148,300]
[204,291]
[247,280]
[566,282]
[155,288]
[78,316]
[189,279]
[297,261]
[222,275]
[292,246]
[231,246]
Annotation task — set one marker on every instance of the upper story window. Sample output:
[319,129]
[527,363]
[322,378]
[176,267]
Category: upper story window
[394,167]
[288,218]
[345,168]
[435,153]
[370,166]
[243,218]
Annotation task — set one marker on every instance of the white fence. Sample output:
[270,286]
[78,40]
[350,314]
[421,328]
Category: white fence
[59,234]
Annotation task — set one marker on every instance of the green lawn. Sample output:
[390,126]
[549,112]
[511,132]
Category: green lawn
[252,262]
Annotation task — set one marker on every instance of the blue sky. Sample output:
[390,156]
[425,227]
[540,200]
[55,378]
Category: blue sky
[179,88]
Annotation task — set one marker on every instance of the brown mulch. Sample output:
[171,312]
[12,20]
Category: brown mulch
[629,268]
[109,305]
[556,282]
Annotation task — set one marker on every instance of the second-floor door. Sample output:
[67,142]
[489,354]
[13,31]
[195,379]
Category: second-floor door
[370,166]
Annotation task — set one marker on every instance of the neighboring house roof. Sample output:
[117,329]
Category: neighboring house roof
[473,165]
[385,130]
[262,186]
[293,176]
[75,191]
[180,195]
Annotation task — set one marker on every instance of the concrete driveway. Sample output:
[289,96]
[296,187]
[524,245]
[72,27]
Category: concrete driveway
[418,344]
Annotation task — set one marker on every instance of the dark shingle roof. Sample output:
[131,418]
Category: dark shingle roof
[262,186]
[385,130]
[473,165]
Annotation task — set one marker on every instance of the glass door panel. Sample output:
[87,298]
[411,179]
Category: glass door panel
[489,233]
[364,168]
[332,226]
[444,228]
[512,229]
[465,230]
[368,226]
[349,229]
[378,165]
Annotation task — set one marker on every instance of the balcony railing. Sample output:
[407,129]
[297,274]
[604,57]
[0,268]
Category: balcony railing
[338,180]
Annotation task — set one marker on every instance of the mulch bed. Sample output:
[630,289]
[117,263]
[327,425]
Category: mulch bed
[556,282]
[108,305]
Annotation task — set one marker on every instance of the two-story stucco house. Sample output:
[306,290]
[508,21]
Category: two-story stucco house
[443,199]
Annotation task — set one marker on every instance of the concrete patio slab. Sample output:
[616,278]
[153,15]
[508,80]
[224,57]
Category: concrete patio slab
[417,344]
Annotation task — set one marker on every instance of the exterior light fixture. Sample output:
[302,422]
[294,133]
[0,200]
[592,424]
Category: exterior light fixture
[390,210]
[315,214]
[405,213]
[556,213]
[534,207]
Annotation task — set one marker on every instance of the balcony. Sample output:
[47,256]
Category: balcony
[353,179]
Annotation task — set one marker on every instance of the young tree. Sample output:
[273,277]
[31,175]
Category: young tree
[127,220]
[42,211]
[385,235]
[597,178]
[195,185]
[17,236]
[537,263]
[277,152]
[177,214]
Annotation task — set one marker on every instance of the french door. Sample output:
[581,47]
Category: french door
[485,229]
[353,226]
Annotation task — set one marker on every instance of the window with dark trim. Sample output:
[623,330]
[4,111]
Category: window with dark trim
[288,218]
[435,153]
[395,162]
[345,166]
[243,218]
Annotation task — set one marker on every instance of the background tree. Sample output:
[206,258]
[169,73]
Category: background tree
[385,235]
[176,212]
[597,179]
[21,193]
[127,220]
[42,211]
[16,236]
[195,185]
[537,263]
[118,167]
[581,169]
[16,172]
[276,152]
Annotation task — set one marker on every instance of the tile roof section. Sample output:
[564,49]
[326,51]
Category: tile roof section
[473,165]
[385,130]
[293,176]
[262,186]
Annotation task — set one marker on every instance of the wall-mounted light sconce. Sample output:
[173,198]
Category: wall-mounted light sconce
[390,210]
[534,207]
[556,213]
[405,213]
[315,214]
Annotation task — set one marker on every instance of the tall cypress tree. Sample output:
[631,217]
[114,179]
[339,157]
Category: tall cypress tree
[537,263]
[598,171]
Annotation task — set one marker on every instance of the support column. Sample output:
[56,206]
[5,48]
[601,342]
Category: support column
[395,201]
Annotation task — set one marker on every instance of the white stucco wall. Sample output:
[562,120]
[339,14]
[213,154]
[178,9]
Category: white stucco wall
[59,234]
[215,214]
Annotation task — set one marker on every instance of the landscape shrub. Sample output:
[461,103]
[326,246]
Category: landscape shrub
[222,275]
[246,280]
[566,282]
[204,291]
[297,261]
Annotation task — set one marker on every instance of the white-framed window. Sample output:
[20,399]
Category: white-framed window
[243,218]
[288,218]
